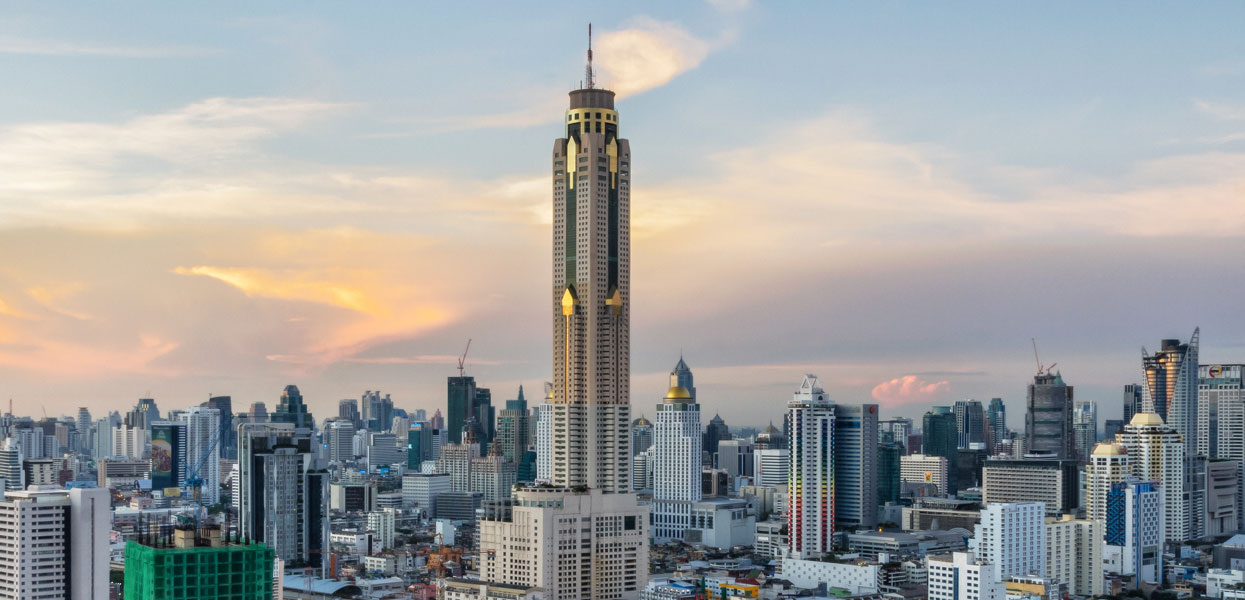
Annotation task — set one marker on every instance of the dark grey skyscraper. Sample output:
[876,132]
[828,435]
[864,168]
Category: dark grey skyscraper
[290,409]
[681,376]
[229,435]
[1170,387]
[1132,401]
[970,423]
[348,409]
[715,432]
[460,405]
[513,429]
[940,437]
[996,423]
[1048,417]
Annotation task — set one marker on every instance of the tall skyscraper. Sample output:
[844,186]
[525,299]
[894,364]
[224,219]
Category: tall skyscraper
[641,435]
[811,482]
[418,445]
[283,494]
[940,437]
[290,409]
[1074,554]
[1011,537]
[339,434]
[1108,465]
[544,441]
[889,489]
[1085,429]
[460,405]
[512,429]
[970,423]
[229,438]
[83,426]
[348,409]
[715,432]
[681,376]
[1156,453]
[1048,417]
[591,408]
[856,465]
[1133,401]
[377,410]
[203,425]
[486,415]
[676,464]
[168,454]
[1219,386]
[1170,387]
[1134,533]
[144,414]
[54,543]
[996,424]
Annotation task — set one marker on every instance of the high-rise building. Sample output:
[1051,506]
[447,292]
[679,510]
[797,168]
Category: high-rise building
[924,468]
[715,432]
[544,441]
[856,465]
[512,429]
[199,565]
[348,409]
[970,423]
[486,417]
[11,466]
[291,409]
[681,376]
[339,434]
[1108,465]
[1052,482]
[203,450]
[1220,386]
[811,483]
[101,439]
[1156,453]
[1222,485]
[283,494]
[421,489]
[642,466]
[383,522]
[168,454]
[996,424]
[455,459]
[460,405]
[54,543]
[418,445]
[1011,537]
[1048,417]
[1170,387]
[940,437]
[229,434]
[1133,402]
[889,487]
[960,576]
[1134,533]
[377,410]
[772,438]
[83,427]
[128,441]
[145,412]
[773,467]
[1110,427]
[641,435]
[676,464]
[492,475]
[736,457]
[1085,429]
[1074,554]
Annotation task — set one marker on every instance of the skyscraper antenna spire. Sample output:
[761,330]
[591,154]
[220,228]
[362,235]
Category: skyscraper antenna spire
[589,82]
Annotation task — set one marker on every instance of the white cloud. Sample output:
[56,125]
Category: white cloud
[1220,110]
[647,55]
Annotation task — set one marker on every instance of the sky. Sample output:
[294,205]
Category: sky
[226,198]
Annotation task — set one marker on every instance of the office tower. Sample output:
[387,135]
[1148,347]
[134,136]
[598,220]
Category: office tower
[1074,554]
[1011,537]
[339,434]
[486,417]
[642,466]
[130,442]
[203,453]
[856,465]
[11,466]
[1084,429]
[283,494]
[492,475]
[418,444]
[735,457]
[960,576]
[437,421]
[54,543]
[676,464]
[544,442]
[1110,427]
[889,487]
[1048,417]
[348,409]
[455,459]
[383,452]
[512,429]
[1222,508]
[771,438]
[377,410]
[811,483]
[996,424]
[1156,453]
[31,443]
[168,454]
[290,409]
[101,439]
[258,413]
[1055,483]
[681,376]
[229,436]
[773,467]
[970,423]
[145,412]
[969,463]
[641,435]
[940,437]
[1195,495]
[1133,402]
[1219,386]
[83,426]
[1134,532]
[1170,387]
[421,489]
[1108,465]
[922,468]
[400,424]
[198,564]
[715,432]
[460,405]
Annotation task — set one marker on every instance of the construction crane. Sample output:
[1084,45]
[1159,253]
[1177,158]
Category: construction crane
[195,483]
[1041,369]
[463,359]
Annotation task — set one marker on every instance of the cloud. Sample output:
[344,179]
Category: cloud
[647,55]
[1220,110]
[909,389]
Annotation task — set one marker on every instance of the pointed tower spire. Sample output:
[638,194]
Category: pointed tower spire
[589,79]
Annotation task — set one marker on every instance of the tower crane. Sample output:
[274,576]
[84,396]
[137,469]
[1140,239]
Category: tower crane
[1041,369]
[463,359]
[193,482]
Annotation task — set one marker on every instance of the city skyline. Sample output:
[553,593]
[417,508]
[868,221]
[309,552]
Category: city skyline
[265,220]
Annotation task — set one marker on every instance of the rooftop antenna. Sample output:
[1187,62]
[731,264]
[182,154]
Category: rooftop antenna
[589,83]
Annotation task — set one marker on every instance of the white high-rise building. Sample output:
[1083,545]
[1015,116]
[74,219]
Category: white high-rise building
[773,467]
[493,475]
[924,468]
[421,489]
[383,522]
[130,442]
[856,465]
[11,466]
[1012,539]
[676,464]
[1107,465]
[591,401]
[202,427]
[642,470]
[1156,453]
[960,576]
[544,441]
[340,436]
[810,483]
[38,560]
[1134,532]
[1222,394]
[101,439]
[31,443]
[1074,554]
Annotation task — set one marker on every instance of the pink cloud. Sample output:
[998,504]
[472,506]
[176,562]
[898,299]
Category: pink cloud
[909,389]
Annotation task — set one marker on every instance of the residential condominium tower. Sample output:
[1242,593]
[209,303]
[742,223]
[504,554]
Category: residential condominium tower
[283,496]
[811,480]
[676,464]
[1156,453]
[1220,411]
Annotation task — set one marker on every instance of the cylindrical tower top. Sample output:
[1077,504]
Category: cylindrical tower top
[592,98]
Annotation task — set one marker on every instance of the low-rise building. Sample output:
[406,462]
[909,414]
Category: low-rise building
[471,589]
[857,579]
